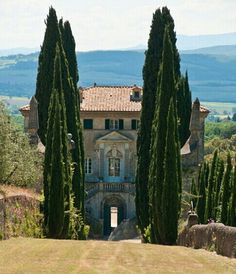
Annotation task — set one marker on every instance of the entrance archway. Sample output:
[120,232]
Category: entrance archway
[114,211]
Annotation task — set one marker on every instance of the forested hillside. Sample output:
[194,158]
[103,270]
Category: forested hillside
[211,74]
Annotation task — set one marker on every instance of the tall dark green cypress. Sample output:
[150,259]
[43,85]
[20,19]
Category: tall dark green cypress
[45,71]
[58,85]
[184,108]
[217,188]
[72,101]
[57,177]
[188,108]
[232,207]
[47,160]
[168,21]
[194,193]
[69,45]
[153,56]
[210,190]
[170,194]
[57,143]
[180,109]
[71,96]
[201,203]
[166,92]
[226,190]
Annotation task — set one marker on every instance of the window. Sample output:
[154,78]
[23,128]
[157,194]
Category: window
[88,123]
[136,94]
[114,124]
[88,166]
[114,167]
[135,124]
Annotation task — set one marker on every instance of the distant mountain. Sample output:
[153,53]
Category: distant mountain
[212,77]
[110,67]
[211,74]
[192,42]
[139,47]
[185,42]
[15,51]
[226,50]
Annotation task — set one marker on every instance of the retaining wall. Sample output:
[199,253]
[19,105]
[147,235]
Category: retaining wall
[214,236]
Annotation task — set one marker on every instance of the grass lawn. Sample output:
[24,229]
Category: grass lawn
[61,256]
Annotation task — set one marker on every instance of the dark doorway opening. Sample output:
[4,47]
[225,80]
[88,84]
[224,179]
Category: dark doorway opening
[113,215]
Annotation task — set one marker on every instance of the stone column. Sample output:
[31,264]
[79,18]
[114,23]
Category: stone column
[126,162]
[33,121]
[101,164]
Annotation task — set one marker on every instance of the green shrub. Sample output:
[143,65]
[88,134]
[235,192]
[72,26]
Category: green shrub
[20,163]
[25,221]
[77,228]
[147,234]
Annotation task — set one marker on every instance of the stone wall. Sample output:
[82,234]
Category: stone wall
[214,237]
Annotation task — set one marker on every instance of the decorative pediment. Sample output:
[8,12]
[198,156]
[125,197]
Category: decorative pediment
[114,136]
[114,153]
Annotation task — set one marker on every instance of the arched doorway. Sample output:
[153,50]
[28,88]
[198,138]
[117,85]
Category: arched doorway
[114,211]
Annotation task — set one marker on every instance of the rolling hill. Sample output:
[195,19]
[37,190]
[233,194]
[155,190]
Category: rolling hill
[189,42]
[228,50]
[211,71]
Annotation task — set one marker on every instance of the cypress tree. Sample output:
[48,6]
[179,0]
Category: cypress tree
[58,179]
[58,85]
[194,193]
[153,56]
[180,109]
[201,203]
[150,71]
[207,173]
[217,188]
[170,197]
[73,121]
[166,91]
[184,108]
[45,71]
[210,190]
[47,160]
[68,42]
[226,190]
[167,20]
[232,207]
[71,96]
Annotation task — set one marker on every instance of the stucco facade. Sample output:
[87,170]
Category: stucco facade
[110,119]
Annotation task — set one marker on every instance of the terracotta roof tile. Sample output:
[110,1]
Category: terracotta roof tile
[109,98]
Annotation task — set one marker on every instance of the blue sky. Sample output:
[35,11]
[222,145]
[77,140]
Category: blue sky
[110,24]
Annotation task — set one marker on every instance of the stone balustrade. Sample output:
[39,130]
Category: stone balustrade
[93,188]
